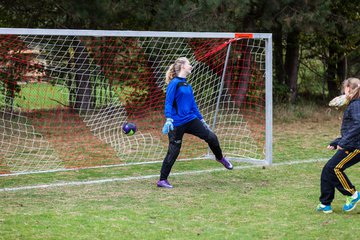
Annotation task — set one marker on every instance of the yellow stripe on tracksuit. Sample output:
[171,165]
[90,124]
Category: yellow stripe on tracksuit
[340,175]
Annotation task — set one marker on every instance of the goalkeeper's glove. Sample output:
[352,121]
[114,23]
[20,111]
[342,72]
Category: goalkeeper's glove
[205,124]
[339,101]
[168,126]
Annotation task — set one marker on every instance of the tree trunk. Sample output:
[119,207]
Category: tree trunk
[331,73]
[342,67]
[278,55]
[82,79]
[292,63]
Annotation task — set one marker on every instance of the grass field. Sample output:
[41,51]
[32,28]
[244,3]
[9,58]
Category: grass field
[273,203]
[207,202]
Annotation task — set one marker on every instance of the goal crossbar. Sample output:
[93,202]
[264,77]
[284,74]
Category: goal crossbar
[113,33]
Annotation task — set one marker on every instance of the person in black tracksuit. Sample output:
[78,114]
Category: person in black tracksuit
[347,154]
[183,116]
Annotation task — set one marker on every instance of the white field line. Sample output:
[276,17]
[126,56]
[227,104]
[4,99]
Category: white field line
[94,167]
[89,182]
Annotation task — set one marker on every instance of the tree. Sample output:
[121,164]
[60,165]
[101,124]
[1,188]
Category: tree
[320,29]
[336,39]
[62,13]
[288,20]
[194,15]
[16,62]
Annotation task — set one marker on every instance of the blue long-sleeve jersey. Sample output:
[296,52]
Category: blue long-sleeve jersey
[180,103]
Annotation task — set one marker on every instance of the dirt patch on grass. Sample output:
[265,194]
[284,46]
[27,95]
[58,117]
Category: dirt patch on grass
[71,139]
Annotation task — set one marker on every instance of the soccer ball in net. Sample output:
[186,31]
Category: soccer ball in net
[129,128]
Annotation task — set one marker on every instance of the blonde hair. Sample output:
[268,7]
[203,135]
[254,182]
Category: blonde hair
[354,85]
[174,69]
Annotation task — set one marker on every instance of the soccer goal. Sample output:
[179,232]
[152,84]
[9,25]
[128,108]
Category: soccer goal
[64,95]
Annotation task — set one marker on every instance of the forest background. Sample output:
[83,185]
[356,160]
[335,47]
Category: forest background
[315,43]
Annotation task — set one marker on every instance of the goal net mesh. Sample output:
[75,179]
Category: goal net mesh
[64,99]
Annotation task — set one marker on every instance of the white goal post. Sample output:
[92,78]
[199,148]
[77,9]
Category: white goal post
[64,95]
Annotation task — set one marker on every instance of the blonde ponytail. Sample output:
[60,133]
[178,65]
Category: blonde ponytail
[170,74]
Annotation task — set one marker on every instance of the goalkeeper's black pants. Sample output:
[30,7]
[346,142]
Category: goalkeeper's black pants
[196,128]
[333,175]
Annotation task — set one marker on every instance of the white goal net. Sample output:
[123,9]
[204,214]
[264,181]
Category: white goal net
[65,94]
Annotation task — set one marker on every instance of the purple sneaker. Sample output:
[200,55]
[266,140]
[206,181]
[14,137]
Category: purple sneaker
[227,164]
[164,184]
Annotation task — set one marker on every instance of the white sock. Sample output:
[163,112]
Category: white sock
[355,195]
[322,205]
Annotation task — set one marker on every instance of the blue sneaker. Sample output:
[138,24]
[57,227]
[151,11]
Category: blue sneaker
[227,164]
[324,208]
[351,203]
[164,184]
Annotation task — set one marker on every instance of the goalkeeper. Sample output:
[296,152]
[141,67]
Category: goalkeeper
[347,154]
[183,116]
